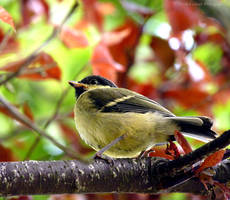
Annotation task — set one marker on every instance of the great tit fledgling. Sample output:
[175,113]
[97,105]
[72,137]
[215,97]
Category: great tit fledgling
[131,123]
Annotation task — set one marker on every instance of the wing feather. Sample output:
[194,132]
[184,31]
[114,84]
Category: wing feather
[123,100]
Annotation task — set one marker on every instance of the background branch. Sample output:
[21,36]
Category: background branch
[217,10]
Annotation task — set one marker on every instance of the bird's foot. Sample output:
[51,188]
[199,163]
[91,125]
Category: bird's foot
[99,156]
[172,150]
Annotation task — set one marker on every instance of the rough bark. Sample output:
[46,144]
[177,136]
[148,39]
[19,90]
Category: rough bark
[145,175]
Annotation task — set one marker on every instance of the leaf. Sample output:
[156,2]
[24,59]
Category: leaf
[183,142]
[105,8]
[91,13]
[146,89]
[103,63]
[43,67]
[5,111]
[32,9]
[11,44]
[211,160]
[6,17]
[163,54]
[27,111]
[6,154]
[124,51]
[73,137]
[137,8]
[73,38]
[115,37]
[159,151]
[182,14]
[22,198]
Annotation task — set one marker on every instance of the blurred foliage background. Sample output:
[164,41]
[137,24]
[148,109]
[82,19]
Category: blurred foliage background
[167,50]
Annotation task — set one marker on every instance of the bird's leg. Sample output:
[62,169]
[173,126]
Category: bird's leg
[145,153]
[108,146]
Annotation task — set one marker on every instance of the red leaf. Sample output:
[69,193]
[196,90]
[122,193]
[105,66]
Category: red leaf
[211,160]
[103,63]
[182,14]
[179,93]
[10,46]
[91,13]
[5,111]
[164,55]
[32,9]
[43,67]
[6,154]
[6,17]
[124,51]
[22,198]
[183,142]
[73,137]
[27,111]
[146,89]
[73,38]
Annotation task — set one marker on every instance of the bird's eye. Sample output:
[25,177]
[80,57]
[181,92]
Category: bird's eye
[93,82]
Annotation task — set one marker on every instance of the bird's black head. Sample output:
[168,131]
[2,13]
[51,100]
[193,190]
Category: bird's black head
[90,82]
[97,80]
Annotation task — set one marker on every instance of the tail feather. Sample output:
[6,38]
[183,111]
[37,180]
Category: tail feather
[196,127]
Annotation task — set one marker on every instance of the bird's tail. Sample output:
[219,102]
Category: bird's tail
[196,127]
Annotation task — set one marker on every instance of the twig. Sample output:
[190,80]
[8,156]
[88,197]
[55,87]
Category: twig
[26,121]
[35,53]
[54,116]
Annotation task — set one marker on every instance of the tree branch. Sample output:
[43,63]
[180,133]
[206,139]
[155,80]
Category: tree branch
[146,175]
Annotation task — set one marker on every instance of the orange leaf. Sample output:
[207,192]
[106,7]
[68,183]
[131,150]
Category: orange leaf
[159,151]
[43,67]
[5,17]
[112,38]
[183,142]
[211,160]
[182,14]
[103,63]
[105,8]
[73,38]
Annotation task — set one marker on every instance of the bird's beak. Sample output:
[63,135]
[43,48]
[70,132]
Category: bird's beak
[77,84]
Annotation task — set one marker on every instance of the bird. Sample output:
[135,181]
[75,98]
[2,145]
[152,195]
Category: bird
[120,123]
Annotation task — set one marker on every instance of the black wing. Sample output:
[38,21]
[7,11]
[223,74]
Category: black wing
[123,100]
